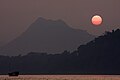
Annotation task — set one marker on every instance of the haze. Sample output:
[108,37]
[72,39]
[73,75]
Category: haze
[17,15]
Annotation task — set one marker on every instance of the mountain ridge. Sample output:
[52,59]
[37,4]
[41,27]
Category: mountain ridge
[47,36]
[100,56]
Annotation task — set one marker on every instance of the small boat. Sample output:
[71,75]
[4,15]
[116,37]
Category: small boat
[13,73]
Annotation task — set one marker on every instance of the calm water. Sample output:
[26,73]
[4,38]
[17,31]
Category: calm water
[61,77]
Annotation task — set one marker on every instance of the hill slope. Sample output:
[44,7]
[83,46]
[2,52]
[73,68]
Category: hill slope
[102,55]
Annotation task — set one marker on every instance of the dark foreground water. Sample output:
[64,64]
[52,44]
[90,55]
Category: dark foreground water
[61,77]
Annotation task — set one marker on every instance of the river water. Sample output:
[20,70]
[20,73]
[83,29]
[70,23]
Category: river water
[61,77]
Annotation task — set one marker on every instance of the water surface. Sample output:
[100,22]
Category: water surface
[61,77]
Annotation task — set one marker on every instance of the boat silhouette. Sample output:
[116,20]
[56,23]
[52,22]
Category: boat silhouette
[13,73]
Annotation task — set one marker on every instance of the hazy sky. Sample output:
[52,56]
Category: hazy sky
[17,15]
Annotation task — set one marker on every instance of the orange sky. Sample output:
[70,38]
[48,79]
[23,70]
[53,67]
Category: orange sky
[17,15]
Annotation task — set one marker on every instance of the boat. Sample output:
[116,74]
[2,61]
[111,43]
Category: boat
[13,73]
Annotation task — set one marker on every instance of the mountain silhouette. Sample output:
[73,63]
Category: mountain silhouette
[99,56]
[102,55]
[47,36]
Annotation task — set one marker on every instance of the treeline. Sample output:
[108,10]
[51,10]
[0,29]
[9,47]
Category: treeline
[100,56]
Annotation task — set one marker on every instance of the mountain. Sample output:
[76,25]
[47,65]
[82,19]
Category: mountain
[99,56]
[47,36]
[102,55]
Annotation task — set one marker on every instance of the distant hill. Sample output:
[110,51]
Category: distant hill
[99,56]
[47,36]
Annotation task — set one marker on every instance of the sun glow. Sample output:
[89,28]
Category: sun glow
[97,20]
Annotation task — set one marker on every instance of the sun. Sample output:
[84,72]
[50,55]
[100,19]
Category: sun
[97,20]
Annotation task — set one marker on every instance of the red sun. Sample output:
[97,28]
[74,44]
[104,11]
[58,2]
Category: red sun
[97,20]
